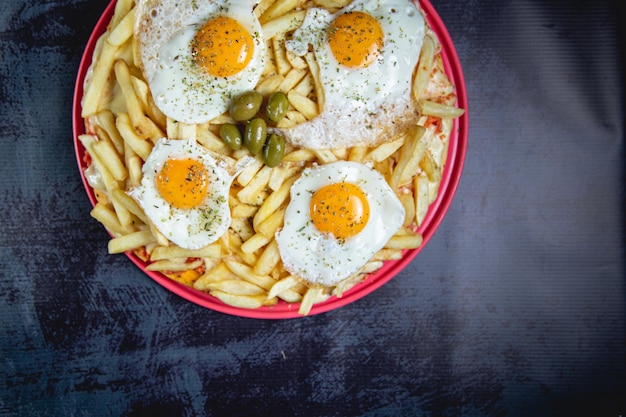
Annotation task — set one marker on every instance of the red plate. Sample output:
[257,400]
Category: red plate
[282,310]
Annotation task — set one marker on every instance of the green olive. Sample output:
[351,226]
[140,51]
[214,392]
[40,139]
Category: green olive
[277,106]
[273,150]
[246,106]
[255,135]
[231,136]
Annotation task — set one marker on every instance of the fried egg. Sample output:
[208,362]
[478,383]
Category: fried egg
[197,55]
[366,54]
[184,192]
[339,215]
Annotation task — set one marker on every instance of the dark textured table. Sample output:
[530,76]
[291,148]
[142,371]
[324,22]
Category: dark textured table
[516,307]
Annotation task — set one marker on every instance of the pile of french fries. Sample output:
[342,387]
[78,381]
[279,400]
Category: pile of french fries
[243,268]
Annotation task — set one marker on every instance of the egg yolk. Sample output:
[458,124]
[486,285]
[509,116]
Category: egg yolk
[183,182]
[222,46]
[356,39]
[341,209]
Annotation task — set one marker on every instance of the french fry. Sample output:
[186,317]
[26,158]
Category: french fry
[122,7]
[303,104]
[247,273]
[430,167]
[300,155]
[292,118]
[106,121]
[111,159]
[240,301]
[434,109]
[123,201]
[305,86]
[268,260]
[134,166]
[174,265]
[387,254]
[248,259]
[420,194]
[280,174]
[142,91]
[441,80]
[317,81]
[169,252]
[221,119]
[348,283]
[358,153]
[280,54]
[101,70]
[243,210]
[371,266]
[269,84]
[285,23]
[312,296]
[208,139]
[408,202]
[446,128]
[130,241]
[273,202]
[278,9]
[385,167]
[262,6]
[123,30]
[424,67]
[282,285]
[291,296]
[105,215]
[219,273]
[404,242]
[250,172]
[143,126]
[187,131]
[139,145]
[254,192]
[292,78]
[295,60]
[410,157]
[159,238]
[385,150]
[241,226]
[325,155]
[271,224]
[110,183]
[171,128]
[236,287]
[255,242]
[341,153]
[133,104]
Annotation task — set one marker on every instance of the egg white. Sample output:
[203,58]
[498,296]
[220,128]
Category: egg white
[363,106]
[320,258]
[164,30]
[188,228]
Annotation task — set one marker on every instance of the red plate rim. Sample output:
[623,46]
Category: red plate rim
[282,310]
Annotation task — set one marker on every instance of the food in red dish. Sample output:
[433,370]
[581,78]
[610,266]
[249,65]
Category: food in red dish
[289,102]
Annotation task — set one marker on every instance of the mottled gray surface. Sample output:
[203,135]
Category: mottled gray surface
[515,308]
